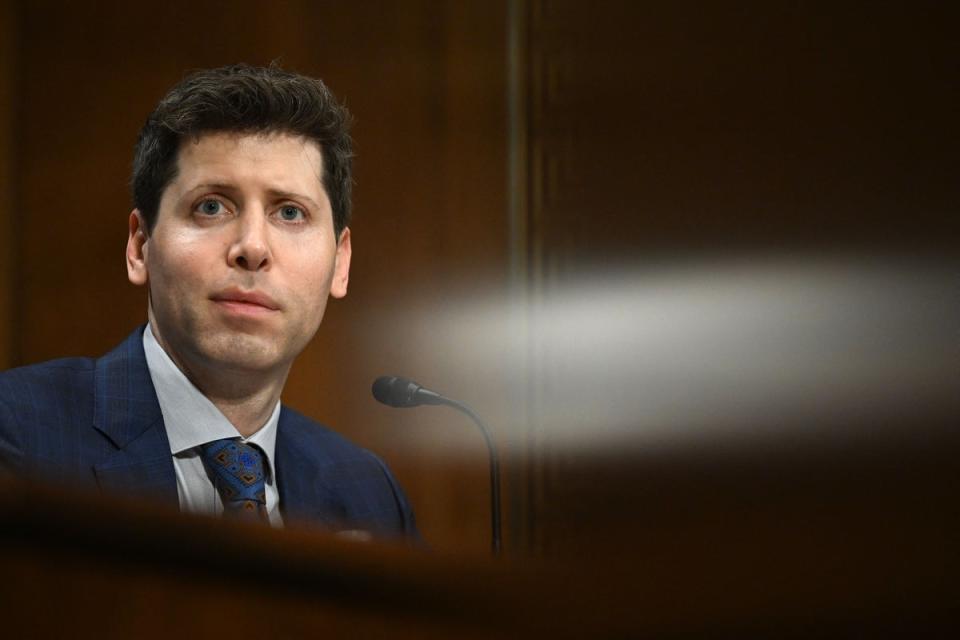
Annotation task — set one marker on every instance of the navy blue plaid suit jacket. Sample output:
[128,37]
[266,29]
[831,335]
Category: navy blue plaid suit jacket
[97,422]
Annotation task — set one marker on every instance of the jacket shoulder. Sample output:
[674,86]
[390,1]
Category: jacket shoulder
[323,441]
[39,383]
[40,406]
[357,485]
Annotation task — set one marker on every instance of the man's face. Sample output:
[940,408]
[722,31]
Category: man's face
[243,254]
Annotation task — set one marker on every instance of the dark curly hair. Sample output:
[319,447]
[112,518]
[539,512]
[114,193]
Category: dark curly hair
[243,99]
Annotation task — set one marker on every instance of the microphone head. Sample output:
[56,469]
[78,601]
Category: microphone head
[395,391]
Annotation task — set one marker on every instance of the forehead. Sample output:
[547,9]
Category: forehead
[276,161]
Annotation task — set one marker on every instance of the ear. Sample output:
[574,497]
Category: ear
[137,249]
[341,265]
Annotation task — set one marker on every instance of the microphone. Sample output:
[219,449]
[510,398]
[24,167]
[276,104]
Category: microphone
[395,391]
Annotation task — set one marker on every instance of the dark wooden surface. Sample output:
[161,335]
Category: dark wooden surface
[84,566]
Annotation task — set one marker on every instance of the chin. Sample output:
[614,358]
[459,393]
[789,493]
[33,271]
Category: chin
[245,352]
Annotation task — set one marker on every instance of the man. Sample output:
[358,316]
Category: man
[241,186]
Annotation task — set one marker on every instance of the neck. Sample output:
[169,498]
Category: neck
[245,397]
[247,409]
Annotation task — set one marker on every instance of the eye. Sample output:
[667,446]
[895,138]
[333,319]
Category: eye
[290,213]
[210,207]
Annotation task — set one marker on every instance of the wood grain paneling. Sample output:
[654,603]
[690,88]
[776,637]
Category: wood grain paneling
[657,134]
[8,191]
[740,125]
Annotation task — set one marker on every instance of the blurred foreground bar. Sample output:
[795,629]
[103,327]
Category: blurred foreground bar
[81,566]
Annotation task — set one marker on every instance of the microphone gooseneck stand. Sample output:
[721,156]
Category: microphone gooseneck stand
[403,393]
[494,470]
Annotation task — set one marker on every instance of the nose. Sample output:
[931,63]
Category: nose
[250,249]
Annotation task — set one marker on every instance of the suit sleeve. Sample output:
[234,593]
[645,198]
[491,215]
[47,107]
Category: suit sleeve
[405,515]
[11,445]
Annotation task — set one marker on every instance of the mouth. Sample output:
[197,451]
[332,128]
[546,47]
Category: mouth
[245,301]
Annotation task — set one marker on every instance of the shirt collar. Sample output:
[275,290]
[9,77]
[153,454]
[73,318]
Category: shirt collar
[189,417]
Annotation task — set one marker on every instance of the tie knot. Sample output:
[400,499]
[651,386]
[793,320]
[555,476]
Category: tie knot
[238,474]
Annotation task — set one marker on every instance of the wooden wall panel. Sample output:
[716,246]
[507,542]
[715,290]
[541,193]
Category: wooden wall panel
[8,240]
[691,126]
[663,135]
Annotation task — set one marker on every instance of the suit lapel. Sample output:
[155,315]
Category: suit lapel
[126,411]
[305,494]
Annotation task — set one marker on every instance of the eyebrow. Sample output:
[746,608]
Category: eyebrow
[293,195]
[278,194]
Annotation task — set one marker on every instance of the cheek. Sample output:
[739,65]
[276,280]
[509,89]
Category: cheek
[177,269]
[310,270]
[311,291]
[312,288]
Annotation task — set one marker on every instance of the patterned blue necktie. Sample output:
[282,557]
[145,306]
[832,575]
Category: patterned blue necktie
[237,469]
